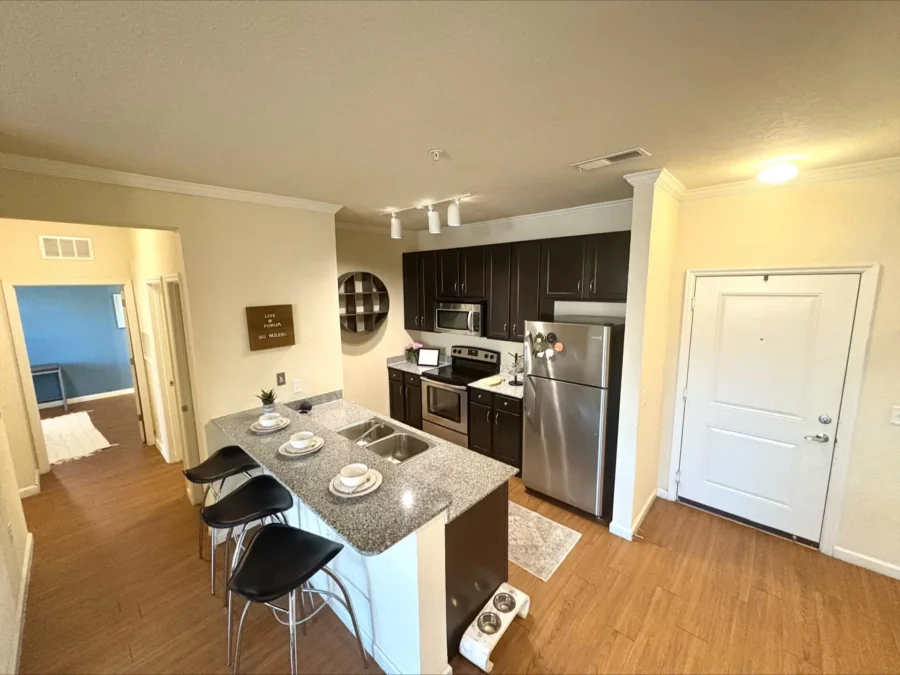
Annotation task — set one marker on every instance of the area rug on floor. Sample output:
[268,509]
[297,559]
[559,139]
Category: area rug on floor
[71,436]
[537,544]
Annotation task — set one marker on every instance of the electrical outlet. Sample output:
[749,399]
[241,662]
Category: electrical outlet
[895,414]
[280,379]
[298,386]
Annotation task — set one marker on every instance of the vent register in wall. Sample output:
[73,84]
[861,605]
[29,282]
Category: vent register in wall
[364,302]
[66,248]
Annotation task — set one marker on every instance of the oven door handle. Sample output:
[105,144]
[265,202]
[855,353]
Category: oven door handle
[442,385]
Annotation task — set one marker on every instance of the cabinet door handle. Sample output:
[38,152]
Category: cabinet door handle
[578,286]
[422,322]
[497,418]
[488,416]
[591,288]
[417,321]
[454,286]
[504,329]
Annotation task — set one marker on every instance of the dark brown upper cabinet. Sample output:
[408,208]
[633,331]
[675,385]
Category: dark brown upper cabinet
[497,261]
[606,266]
[448,273]
[471,272]
[411,304]
[562,266]
[524,286]
[419,290]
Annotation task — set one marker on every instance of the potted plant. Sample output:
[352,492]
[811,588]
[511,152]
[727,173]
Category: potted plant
[412,352]
[268,400]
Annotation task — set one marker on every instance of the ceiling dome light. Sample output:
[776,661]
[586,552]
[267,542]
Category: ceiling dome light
[396,228]
[778,173]
[453,214]
[434,220]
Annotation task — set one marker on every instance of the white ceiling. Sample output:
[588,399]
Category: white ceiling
[341,102]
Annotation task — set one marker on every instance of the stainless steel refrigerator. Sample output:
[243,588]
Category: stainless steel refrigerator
[573,374]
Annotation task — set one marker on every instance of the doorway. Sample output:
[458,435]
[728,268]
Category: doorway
[80,365]
[769,378]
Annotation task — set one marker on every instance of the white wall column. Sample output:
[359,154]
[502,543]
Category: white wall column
[654,223]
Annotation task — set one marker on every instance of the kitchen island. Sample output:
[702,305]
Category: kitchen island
[423,552]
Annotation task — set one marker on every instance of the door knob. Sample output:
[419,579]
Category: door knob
[818,438]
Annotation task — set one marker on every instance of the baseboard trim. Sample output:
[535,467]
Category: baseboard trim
[22,602]
[89,397]
[870,563]
[628,532]
[621,531]
[662,493]
[643,513]
[30,490]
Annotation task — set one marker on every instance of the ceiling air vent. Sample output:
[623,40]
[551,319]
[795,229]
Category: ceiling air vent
[67,248]
[606,160]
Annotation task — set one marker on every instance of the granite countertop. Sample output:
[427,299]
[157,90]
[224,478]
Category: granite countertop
[444,477]
[503,388]
[400,363]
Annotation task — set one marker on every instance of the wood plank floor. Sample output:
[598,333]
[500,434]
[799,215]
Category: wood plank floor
[699,594]
[117,587]
[115,417]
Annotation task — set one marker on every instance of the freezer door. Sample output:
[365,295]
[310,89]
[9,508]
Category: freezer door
[564,441]
[583,360]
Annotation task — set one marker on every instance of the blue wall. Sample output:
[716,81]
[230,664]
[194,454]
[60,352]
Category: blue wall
[75,326]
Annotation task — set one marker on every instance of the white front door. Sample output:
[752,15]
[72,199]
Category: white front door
[768,356]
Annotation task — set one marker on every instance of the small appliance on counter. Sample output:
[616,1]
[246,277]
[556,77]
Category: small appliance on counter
[445,398]
[573,378]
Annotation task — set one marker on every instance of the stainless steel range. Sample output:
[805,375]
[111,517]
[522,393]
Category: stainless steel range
[445,400]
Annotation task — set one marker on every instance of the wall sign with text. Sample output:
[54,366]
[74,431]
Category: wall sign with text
[270,326]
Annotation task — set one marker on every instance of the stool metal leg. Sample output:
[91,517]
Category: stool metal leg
[230,565]
[228,568]
[237,643]
[303,609]
[362,651]
[200,516]
[212,561]
[292,627]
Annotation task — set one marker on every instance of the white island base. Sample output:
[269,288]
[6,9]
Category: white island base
[399,596]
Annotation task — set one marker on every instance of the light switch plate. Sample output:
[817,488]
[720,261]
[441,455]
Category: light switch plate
[298,386]
[895,414]
[280,379]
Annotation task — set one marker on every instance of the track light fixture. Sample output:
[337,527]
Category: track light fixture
[434,217]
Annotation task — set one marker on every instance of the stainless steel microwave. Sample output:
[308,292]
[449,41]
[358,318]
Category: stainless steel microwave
[462,318]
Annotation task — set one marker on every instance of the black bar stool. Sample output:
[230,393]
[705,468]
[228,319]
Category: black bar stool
[226,462]
[278,562]
[260,498]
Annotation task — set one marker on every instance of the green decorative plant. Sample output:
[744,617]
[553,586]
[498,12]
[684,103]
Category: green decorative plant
[268,399]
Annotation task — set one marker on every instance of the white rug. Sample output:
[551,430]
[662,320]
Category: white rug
[71,436]
[538,544]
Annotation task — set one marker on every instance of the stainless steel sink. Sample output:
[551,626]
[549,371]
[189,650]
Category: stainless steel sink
[385,439]
[366,431]
[399,447]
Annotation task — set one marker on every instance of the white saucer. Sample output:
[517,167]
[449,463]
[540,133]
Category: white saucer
[375,484]
[287,450]
[257,428]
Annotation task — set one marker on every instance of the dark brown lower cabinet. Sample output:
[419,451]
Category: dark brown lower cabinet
[405,391]
[495,426]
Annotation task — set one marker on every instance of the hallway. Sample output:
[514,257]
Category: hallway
[117,586]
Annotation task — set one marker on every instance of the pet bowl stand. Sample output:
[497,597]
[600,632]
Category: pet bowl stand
[476,645]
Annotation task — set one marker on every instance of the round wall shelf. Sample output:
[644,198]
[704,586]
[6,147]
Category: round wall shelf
[363,300]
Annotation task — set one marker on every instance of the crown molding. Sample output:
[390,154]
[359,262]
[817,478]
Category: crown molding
[858,170]
[661,178]
[93,174]
[600,206]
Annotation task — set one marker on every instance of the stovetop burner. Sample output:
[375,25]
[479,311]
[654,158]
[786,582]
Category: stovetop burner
[467,365]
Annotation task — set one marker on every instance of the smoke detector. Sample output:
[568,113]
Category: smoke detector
[606,160]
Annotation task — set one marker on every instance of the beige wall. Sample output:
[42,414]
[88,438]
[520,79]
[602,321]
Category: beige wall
[365,354]
[844,222]
[13,541]
[21,262]
[235,254]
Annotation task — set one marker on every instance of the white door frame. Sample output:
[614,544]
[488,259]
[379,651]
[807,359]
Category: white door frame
[862,326]
[24,366]
[162,354]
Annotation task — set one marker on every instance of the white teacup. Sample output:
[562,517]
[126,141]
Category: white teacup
[269,419]
[353,474]
[301,440]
